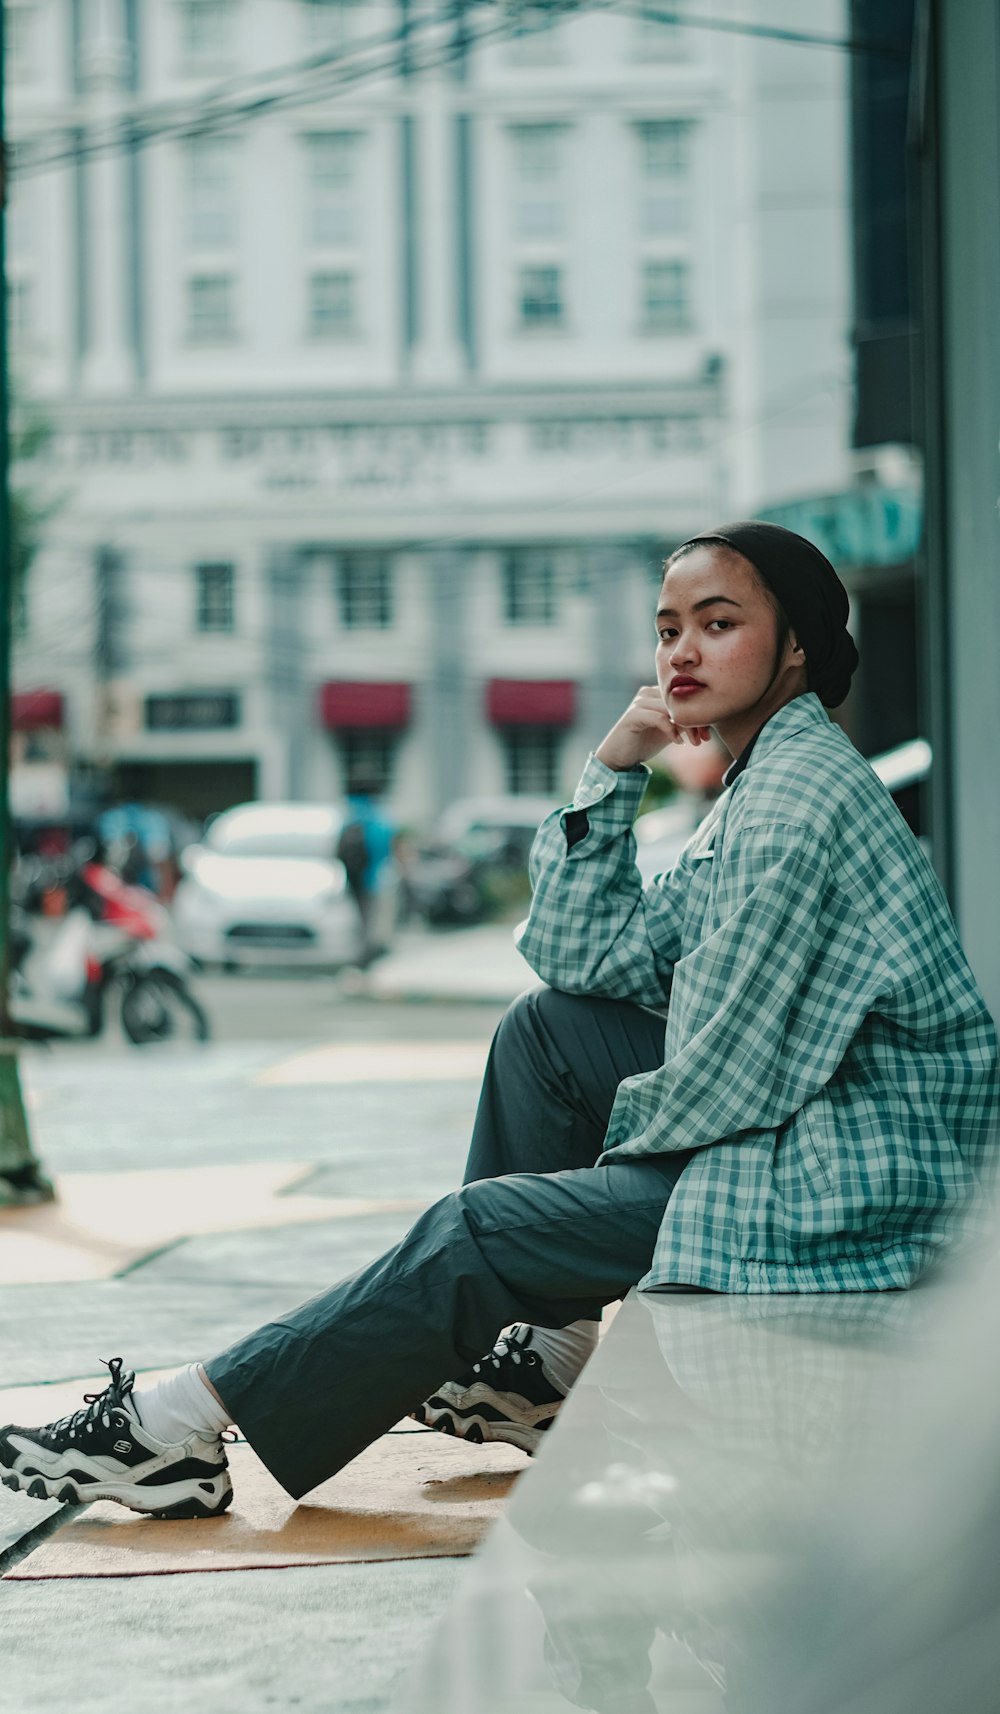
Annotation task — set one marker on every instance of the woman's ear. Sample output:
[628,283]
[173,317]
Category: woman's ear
[797,648]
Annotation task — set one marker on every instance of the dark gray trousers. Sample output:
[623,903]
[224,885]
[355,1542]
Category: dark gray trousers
[537,1233]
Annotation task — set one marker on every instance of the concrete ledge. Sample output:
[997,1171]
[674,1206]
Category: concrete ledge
[644,1560]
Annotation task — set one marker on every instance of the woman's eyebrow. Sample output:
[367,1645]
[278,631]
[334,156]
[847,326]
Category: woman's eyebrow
[709,601]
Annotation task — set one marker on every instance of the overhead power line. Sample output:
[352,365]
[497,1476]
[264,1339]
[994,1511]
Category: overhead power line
[322,76]
[224,107]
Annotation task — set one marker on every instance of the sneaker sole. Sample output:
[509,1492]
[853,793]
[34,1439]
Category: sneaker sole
[168,1504]
[481,1430]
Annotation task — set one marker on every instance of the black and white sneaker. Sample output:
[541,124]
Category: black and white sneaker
[102,1452]
[506,1396]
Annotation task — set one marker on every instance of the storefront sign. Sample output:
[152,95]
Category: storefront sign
[198,711]
[864,527]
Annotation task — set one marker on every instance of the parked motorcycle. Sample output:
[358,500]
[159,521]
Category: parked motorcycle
[114,937]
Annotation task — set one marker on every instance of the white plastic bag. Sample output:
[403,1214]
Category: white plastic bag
[66,965]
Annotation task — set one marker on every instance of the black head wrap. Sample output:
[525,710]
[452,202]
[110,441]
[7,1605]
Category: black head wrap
[810,592]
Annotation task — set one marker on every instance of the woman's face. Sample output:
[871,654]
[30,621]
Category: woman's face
[717,659]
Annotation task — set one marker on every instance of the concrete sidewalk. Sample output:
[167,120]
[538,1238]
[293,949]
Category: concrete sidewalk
[181,1174]
[473,964]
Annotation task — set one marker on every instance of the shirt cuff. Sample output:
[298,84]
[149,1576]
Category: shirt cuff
[600,785]
[598,781]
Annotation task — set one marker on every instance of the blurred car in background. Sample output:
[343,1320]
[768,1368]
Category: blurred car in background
[265,886]
[661,835]
[476,860]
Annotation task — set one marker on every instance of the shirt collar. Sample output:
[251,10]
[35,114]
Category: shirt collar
[802,711]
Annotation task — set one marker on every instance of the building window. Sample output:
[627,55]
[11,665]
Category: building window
[332,305]
[215,591]
[211,308]
[20,311]
[666,296]
[538,38]
[666,147]
[531,758]
[367,754]
[326,23]
[540,297]
[539,192]
[530,587]
[19,42]
[211,192]
[208,36]
[658,38]
[665,176]
[332,211]
[364,589]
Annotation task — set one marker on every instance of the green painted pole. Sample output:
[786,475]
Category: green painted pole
[22,1180]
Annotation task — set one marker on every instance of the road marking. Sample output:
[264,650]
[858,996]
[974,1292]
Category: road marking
[105,1222]
[380,1062]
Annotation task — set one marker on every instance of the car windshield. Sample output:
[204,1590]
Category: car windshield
[260,833]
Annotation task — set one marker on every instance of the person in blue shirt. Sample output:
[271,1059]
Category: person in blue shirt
[367,850]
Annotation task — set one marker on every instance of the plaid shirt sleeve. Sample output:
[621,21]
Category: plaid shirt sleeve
[764,1007]
[592,929]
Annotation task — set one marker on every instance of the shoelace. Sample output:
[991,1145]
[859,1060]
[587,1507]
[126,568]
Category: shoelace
[97,1405]
[513,1344]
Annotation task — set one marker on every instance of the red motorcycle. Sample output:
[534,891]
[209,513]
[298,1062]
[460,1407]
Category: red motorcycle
[114,937]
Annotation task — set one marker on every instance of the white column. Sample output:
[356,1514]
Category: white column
[437,356]
[108,363]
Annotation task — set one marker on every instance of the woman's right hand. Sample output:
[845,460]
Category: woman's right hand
[644,730]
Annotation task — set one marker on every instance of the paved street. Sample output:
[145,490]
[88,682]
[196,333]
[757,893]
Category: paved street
[447,984]
[182,1172]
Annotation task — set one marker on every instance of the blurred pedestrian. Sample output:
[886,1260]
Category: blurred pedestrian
[366,848]
[770,1070]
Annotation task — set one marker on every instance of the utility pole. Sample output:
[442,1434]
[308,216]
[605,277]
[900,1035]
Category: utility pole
[22,1180]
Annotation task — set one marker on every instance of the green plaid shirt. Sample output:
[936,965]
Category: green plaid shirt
[827,1050]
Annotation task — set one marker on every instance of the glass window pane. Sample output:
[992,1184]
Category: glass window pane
[20,311]
[208,35]
[332,303]
[665,146]
[529,587]
[666,295]
[211,192]
[365,591]
[368,756]
[531,756]
[538,160]
[211,306]
[332,187]
[540,301]
[327,23]
[19,42]
[215,597]
[537,151]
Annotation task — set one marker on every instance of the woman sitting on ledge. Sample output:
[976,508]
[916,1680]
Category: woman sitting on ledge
[816,1112]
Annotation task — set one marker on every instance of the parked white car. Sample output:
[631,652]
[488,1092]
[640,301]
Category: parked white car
[265,887]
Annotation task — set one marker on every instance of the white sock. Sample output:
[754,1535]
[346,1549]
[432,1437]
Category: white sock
[182,1405]
[565,1350]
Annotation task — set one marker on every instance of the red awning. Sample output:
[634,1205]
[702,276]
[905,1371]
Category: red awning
[531,701]
[343,703]
[31,709]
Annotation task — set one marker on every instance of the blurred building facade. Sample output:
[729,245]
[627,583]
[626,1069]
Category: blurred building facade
[384,352]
